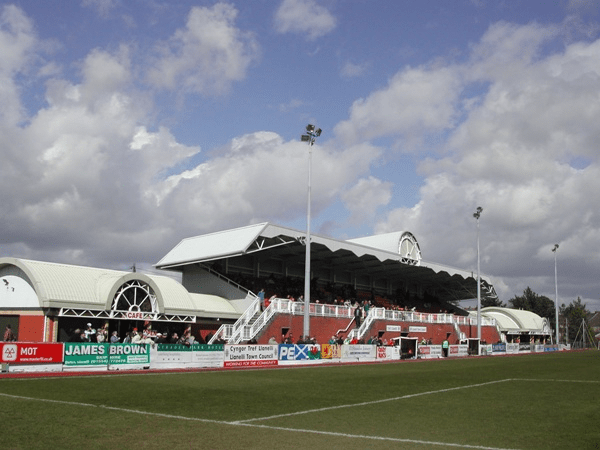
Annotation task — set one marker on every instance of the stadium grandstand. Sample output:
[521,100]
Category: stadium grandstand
[226,275]
[406,293]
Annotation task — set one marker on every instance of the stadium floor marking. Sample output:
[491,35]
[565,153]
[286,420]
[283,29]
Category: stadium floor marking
[266,427]
[373,402]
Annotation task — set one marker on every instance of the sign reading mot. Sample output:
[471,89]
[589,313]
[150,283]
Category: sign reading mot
[31,353]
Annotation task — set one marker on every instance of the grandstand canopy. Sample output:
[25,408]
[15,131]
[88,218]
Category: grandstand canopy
[394,257]
[517,321]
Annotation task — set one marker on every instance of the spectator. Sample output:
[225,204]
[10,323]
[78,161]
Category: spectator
[174,339]
[160,338]
[76,336]
[136,336]
[272,341]
[358,315]
[333,340]
[146,339]
[191,340]
[90,333]
[301,340]
[102,334]
[367,305]
[8,334]
[114,338]
[445,346]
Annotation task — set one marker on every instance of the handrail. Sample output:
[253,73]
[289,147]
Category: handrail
[242,330]
[369,319]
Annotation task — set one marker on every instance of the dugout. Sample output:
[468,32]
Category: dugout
[408,346]
[473,346]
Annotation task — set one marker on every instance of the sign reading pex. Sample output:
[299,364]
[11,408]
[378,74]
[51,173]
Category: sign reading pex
[295,352]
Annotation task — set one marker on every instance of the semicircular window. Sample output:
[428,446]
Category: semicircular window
[135,295]
[409,248]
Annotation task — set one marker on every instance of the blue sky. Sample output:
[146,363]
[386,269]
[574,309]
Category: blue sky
[130,125]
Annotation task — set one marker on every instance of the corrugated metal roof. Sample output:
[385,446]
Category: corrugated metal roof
[208,246]
[389,242]
[80,287]
[214,306]
[515,319]
[67,284]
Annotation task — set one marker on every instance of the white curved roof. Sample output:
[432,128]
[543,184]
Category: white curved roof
[214,306]
[516,320]
[79,287]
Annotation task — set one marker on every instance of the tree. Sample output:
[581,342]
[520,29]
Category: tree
[489,296]
[539,304]
[575,313]
[487,300]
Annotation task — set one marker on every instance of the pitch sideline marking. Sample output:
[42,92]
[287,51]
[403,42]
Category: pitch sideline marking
[245,423]
[373,402]
[267,427]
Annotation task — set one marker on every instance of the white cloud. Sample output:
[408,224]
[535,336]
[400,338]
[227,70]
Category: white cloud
[351,70]
[103,7]
[416,101]
[93,180]
[207,55]
[365,197]
[225,189]
[304,17]
[17,42]
[514,153]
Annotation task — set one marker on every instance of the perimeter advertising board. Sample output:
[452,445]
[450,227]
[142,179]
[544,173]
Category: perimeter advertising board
[298,352]
[197,355]
[388,352]
[31,353]
[430,351]
[498,349]
[331,351]
[250,355]
[95,355]
[208,355]
[458,350]
[358,352]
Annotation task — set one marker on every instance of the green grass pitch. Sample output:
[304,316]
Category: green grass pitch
[540,401]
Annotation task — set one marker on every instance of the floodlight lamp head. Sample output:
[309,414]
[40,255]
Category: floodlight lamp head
[318,132]
[477,213]
[310,128]
[555,247]
[305,138]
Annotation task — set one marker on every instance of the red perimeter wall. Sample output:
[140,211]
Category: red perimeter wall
[31,328]
[322,328]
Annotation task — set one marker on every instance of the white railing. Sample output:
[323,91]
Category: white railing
[370,317]
[242,330]
[235,333]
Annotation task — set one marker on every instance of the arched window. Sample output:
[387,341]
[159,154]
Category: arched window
[135,296]
[409,248]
